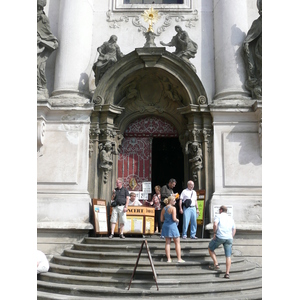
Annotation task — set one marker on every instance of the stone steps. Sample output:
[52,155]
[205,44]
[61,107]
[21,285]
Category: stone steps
[144,280]
[242,295]
[100,268]
[195,269]
[207,290]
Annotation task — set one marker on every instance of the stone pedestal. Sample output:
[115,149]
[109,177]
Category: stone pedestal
[238,162]
[63,201]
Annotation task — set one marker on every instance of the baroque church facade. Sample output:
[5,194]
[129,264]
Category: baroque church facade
[147,91]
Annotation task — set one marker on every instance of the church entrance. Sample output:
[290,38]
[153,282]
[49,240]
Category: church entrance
[167,162]
[151,152]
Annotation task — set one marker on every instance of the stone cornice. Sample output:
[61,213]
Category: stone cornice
[64,113]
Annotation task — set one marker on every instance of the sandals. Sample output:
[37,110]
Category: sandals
[181,261]
[169,261]
[226,276]
[214,267]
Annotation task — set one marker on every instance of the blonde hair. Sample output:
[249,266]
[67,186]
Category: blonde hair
[168,200]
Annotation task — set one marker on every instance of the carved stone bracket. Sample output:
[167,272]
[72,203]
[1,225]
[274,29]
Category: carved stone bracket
[94,137]
[207,136]
[40,134]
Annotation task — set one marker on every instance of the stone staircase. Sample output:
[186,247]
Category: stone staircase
[100,268]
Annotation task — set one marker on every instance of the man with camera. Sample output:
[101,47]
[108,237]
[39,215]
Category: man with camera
[188,206]
[120,200]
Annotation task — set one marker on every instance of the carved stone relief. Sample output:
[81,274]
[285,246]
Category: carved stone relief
[158,96]
[189,20]
[40,134]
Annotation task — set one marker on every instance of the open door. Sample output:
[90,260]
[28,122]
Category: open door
[150,152]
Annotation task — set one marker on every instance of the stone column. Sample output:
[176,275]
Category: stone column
[230,28]
[75,31]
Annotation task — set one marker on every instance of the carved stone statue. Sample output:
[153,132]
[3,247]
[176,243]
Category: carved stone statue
[253,56]
[46,44]
[106,156]
[195,152]
[109,54]
[185,47]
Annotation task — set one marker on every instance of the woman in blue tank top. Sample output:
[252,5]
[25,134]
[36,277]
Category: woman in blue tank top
[169,228]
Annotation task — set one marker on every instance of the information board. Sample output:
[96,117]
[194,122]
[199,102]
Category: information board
[134,224]
[229,210]
[100,216]
[201,206]
[139,220]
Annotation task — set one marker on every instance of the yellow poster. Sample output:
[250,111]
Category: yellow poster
[134,224]
[201,209]
[149,226]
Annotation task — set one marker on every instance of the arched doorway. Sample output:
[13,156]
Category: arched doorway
[151,82]
[150,152]
[167,162]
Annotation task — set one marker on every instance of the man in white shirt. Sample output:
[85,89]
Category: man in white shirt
[224,231]
[188,206]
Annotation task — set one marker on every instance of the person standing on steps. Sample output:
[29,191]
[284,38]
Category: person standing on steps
[224,231]
[166,191]
[120,198]
[169,228]
[156,203]
[188,206]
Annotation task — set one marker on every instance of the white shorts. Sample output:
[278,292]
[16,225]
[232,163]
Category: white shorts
[118,214]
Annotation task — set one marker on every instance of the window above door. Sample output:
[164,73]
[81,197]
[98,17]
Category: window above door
[153,2]
[161,5]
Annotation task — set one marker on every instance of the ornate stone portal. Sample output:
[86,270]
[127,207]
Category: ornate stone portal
[147,90]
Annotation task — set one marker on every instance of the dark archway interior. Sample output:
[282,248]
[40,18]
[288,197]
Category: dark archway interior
[167,162]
